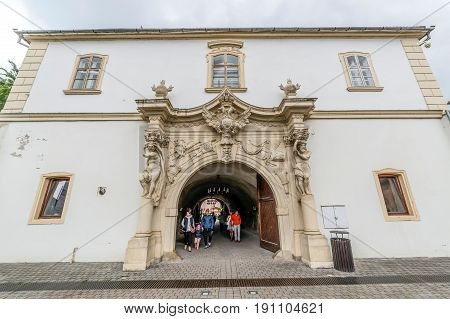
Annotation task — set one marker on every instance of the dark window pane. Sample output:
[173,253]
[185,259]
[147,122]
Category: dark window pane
[363,61]
[232,59]
[369,81]
[93,74]
[96,63]
[219,59]
[393,195]
[80,75]
[218,82]
[232,72]
[351,61]
[219,72]
[55,197]
[84,63]
[233,82]
[90,84]
[78,84]
[357,82]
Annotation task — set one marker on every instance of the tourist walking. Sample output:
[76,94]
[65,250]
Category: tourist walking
[188,225]
[230,226]
[236,222]
[198,235]
[208,227]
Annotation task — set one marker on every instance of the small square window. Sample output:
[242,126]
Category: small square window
[52,198]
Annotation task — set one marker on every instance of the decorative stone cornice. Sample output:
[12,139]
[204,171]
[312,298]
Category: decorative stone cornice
[6,117]
[281,113]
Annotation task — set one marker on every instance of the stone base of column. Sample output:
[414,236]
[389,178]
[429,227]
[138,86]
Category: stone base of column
[139,254]
[316,251]
[171,256]
[297,247]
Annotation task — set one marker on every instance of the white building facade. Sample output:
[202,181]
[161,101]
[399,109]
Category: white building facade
[97,166]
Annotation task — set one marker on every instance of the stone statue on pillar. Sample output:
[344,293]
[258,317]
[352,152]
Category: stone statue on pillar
[152,178]
[141,249]
[302,169]
[315,251]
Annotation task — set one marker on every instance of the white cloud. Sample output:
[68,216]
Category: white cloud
[68,14]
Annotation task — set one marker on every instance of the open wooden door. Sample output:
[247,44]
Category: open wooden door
[268,223]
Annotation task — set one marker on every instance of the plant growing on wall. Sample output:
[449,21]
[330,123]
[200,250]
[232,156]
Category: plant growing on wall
[7,78]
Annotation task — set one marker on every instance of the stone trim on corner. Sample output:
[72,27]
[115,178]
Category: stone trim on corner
[25,78]
[424,76]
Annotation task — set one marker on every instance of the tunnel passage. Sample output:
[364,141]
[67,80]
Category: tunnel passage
[221,188]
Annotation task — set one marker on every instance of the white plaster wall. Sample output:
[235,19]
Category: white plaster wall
[344,154]
[134,65]
[98,154]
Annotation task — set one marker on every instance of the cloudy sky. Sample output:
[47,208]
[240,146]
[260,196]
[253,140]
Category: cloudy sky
[69,14]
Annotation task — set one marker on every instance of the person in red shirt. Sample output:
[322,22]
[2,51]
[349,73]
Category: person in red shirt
[236,222]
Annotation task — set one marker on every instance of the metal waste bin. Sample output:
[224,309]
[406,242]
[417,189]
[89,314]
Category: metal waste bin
[342,251]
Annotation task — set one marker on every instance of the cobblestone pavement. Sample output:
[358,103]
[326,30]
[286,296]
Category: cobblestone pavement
[229,260]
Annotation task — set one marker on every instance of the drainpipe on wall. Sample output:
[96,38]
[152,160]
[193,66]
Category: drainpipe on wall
[19,40]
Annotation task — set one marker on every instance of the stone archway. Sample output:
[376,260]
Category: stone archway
[226,131]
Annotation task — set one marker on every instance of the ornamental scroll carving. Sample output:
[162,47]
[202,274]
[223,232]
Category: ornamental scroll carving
[302,170]
[180,153]
[227,122]
[152,177]
[273,158]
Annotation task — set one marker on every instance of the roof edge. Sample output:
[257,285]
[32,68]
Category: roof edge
[186,33]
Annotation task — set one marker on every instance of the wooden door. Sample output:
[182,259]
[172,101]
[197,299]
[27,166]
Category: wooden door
[268,223]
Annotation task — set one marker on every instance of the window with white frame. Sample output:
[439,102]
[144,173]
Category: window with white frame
[359,72]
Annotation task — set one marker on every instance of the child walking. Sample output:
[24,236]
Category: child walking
[198,235]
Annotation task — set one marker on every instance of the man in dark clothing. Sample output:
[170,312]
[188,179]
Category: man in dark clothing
[208,227]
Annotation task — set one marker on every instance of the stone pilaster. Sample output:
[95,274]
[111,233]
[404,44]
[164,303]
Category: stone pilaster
[145,246]
[314,248]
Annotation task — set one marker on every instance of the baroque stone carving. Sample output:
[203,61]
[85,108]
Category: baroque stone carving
[178,153]
[152,177]
[302,170]
[265,152]
[290,89]
[162,90]
[227,123]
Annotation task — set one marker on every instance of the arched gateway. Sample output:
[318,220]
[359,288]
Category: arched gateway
[259,151]
[237,186]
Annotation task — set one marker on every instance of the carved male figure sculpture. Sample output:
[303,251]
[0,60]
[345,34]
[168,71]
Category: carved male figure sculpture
[151,173]
[302,169]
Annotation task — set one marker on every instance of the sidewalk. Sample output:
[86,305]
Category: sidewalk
[409,277]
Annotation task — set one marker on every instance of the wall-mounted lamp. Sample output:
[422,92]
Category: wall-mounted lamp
[101,190]
[426,42]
